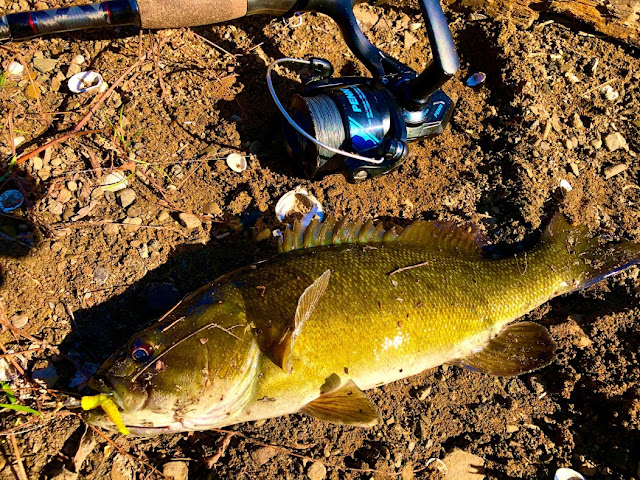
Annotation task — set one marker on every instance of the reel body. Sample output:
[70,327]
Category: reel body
[361,125]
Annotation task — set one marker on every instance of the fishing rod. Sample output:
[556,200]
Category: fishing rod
[358,125]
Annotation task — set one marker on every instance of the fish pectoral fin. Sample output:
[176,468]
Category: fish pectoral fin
[281,351]
[518,348]
[346,405]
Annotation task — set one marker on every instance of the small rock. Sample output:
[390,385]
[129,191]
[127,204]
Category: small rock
[111,229]
[263,455]
[73,69]
[78,60]
[56,207]
[44,65]
[100,274]
[615,170]
[19,321]
[409,40]
[212,208]
[144,251]
[609,93]
[565,185]
[64,196]
[44,174]
[576,121]
[18,140]
[163,216]
[162,296]
[367,19]
[189,220]
[72,186]
[132,224]
[67,214]
[134,211]
[574,169]
[593,66]
[424,393]
[37,163]
[596,143]
[176,470]
[614,141]
[512,428]
[568,144]
[317,471]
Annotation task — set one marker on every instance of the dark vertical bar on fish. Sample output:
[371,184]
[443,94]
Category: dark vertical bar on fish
[15,26]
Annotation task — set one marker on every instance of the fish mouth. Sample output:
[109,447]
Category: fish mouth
[121,393]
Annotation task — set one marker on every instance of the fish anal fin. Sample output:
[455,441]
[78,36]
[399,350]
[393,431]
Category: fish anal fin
[281,351]
[347,405]
[518,348]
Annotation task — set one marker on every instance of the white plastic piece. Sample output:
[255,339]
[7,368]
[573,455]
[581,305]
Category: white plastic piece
[237,162]
[115,181]
[567,474]
[565,185]
[15,71]
[298,204]
[85,82]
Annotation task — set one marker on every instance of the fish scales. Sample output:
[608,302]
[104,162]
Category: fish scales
[310,329]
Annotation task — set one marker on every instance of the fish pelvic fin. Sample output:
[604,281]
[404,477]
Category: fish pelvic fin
[440,235]
[280,353]
[587,259]
[518,348]
[346,405]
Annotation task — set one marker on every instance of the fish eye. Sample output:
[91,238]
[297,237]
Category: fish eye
[141,350]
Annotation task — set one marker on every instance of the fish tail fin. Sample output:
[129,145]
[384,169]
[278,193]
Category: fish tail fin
[588,259]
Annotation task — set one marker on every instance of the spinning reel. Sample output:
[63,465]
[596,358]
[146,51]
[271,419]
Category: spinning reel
[360,125]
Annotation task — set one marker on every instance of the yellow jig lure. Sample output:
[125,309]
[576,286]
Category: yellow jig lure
[110,408]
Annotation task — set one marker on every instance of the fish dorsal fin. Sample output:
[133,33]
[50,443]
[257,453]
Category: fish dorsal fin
[445,235]
[281,351]
[347,405]
[518,348]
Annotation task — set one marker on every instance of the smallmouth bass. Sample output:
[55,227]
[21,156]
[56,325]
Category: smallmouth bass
[346,308]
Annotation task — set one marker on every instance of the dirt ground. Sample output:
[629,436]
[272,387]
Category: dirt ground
[85,273]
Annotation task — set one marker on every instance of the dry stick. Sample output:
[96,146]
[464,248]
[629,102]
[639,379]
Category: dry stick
[9,355]
[107,94]
[11,359]
[408,267]
[22,474]
[52,143]
[156,58]
[122,450]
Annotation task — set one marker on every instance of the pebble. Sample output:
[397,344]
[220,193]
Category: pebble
[409,40]
[144,251]
[115,181]
[134,211]
[263,455]
[126,197]
[44,65]
[19,321]
[576,121]
[596,143]
[72,186]
[100,275]
[67,214]
[111,229]
[615,170]
[37,163]
[163,216]
[64,196]
[18,140]
[565,185]
[15,71]
[367,19]
[317,471]
[614,141]
[609,93]
[56,207]
[462,465]
[176,470]
[132,224]
[73,69]
[212,208]
[161,296]
[424,393]
[189,220]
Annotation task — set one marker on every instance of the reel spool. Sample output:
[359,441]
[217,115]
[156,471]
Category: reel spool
[361,125]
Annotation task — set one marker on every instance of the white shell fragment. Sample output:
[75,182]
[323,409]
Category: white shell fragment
[567,474]
[476,79]
[85,82]
[300,205]
[237,162]
[10,200]
[609,93]
[15,71]
[115,181]
[565,185]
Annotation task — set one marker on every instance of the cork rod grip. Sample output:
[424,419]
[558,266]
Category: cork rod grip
[188,13]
